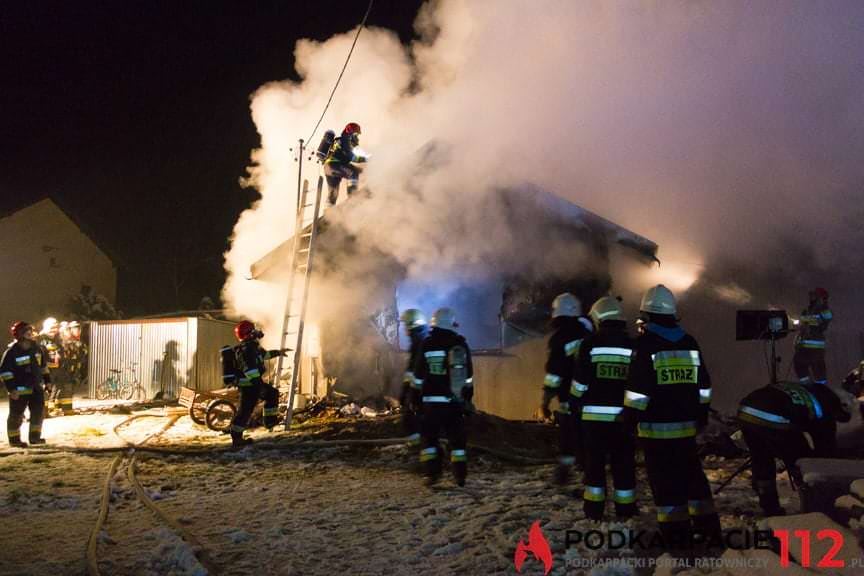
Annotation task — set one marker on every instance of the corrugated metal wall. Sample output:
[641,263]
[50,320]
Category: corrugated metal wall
[212,336]
[167,353]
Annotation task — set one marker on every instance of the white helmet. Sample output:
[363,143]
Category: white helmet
[566,304]
[444,318]
[658,300]
[48,324]
[607,308]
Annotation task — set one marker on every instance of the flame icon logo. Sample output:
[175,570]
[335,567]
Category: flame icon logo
[537,545]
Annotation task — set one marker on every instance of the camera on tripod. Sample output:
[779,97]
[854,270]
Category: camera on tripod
[761,324]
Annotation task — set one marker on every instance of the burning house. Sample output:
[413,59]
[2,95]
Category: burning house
[354,341]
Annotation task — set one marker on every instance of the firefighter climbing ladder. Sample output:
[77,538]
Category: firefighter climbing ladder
[302,250]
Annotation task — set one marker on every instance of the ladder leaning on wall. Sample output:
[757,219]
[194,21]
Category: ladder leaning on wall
[302,250]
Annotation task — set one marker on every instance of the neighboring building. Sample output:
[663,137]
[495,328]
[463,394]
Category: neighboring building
[46,260]
[164,354]
[504,318]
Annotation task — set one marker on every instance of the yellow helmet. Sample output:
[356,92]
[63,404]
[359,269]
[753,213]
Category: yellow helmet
[658,300]
[412,317]
[607,308]
[444,318]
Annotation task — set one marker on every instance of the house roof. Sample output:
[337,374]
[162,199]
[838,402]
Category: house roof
[14,203]
[531,197]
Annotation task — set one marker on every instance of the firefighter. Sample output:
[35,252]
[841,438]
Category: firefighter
[75,355]
[410,399]
[775,422]
[341,162]
[809,359]
[446,375]
[601,371]
[667,398]
[569,328]
[24,370]
[51,340]
[251,366]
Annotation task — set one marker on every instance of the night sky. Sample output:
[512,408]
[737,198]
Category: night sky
[135,117]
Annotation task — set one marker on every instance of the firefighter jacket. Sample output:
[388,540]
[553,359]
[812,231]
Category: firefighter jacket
[563,350]
[444,370]
[601,371]
[252,362]
[342,151]
[23,370]
[789,406]
[418,334]
[668,388]
[54,347]
[814,323]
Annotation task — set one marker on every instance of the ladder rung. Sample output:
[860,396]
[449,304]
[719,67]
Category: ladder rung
[307,205]
[303,250]
[307,235]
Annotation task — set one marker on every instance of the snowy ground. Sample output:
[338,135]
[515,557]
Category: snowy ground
[289,509]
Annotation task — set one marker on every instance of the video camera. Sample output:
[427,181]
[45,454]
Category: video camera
[761,324]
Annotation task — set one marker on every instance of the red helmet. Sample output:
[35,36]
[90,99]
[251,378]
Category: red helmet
[245,330]
[18,329]
[352,128]
[820,293]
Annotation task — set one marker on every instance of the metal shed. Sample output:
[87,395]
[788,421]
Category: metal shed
[164,353]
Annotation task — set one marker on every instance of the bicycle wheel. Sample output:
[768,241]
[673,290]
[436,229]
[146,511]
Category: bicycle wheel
[103,389]
[220,414]
[125,390]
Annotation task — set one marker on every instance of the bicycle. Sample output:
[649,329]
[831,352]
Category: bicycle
[120,385]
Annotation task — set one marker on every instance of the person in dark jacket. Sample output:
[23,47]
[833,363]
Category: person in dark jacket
[251,367]
[776,421]
[446,375]
[601,373]
[410,399]
[24,371]
[341,162]
[668,396]
[809,359]
[569,329]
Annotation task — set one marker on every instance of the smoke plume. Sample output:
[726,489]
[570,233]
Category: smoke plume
[729,133]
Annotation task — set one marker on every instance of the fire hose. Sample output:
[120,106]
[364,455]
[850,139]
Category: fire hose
[143,497]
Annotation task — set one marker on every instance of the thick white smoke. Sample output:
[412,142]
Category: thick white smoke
[729,133]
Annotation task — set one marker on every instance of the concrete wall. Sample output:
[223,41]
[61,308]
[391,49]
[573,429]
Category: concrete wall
[44,261]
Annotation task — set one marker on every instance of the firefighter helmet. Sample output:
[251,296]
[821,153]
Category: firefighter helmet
[19,329]
[820,293]
[245,330]
[607,308]
[658,300]
[352,128]
[444,318]
[412,317]
[49,324]
[566,304]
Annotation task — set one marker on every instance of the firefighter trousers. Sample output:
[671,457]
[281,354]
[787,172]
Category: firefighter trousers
[608,441]
[249,396]
[681,491]
[448,417]
[35,402]
[334,173]
[570,450]
[411,403]
[809,364]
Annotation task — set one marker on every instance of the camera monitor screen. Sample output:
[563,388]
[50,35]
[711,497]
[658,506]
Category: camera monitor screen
[761,324]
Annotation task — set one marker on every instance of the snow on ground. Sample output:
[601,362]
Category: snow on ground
[300,510]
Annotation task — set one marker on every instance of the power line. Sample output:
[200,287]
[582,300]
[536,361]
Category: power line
[339,79]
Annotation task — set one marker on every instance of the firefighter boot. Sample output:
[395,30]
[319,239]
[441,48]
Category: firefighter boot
[17,443]
[562,473]
[769,500]
[237,440]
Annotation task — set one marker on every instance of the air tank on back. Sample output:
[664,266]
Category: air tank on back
[324,146]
